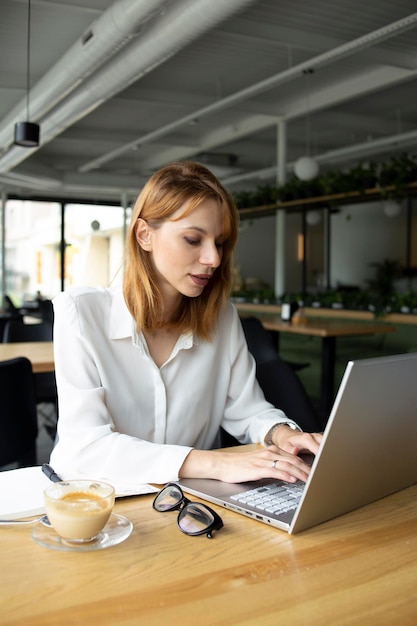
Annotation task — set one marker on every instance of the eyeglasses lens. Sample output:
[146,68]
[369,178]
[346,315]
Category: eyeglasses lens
[168,499]
[193,519]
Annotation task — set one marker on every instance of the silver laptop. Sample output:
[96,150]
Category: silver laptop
[368,452]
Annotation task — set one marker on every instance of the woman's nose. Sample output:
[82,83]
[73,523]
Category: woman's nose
[211,256]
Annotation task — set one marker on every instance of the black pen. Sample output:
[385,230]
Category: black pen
[50,473]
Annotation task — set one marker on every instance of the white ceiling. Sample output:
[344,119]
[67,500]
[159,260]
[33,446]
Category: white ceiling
[208,80]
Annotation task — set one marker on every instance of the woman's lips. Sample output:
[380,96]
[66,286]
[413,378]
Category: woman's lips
[200,279]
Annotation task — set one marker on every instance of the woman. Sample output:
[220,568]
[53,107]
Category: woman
[147,375]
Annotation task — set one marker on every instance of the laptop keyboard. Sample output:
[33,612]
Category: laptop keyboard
[272,498]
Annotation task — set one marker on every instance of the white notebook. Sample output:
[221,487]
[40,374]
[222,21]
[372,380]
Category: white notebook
[21,492]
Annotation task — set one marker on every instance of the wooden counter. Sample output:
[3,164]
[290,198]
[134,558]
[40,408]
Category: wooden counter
[39,353]
[358,569]
[275,309]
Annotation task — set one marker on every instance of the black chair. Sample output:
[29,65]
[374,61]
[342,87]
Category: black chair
[9,306]
[262,342]
[18,418]
[45,383]
[46,310]
[9,313]
[277,379]
[5,318]
[283,389]
[17,331]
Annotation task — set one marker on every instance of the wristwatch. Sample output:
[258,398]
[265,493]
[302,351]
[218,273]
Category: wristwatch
[268,437]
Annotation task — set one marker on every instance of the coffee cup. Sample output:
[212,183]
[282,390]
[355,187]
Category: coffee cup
[79,509]
[287,310]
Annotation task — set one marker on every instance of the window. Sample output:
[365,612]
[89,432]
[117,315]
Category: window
[94,240]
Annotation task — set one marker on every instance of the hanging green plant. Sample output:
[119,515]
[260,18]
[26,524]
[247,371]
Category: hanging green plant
[395,175]
[362,177]
[392,177]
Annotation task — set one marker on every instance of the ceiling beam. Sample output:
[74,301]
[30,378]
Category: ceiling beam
[325,58]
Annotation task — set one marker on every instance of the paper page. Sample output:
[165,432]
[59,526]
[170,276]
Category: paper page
[21,492]
[131,489]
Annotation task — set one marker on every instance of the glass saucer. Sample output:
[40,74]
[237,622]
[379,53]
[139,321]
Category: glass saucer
[117,529]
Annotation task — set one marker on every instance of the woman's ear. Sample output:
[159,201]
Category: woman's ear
[143,234]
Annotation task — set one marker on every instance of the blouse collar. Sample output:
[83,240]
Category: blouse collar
[122,324]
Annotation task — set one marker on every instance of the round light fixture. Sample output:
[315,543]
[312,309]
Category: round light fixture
[306,168]
[313,218]
[392,208]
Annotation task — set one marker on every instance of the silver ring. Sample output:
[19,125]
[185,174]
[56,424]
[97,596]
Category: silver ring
[274,463]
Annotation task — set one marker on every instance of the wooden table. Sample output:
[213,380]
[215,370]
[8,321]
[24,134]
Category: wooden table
[328,330]
[40,353]
[328,312]
[358,569]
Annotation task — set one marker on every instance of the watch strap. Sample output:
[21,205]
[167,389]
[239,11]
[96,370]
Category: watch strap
[268,437]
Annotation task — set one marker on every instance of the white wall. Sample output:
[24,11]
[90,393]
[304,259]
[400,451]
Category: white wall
[255,250]
[360,234]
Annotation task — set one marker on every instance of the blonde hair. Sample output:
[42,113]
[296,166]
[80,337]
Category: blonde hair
[183,184]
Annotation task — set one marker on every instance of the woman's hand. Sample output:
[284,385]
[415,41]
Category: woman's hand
[270,462]
[295,441]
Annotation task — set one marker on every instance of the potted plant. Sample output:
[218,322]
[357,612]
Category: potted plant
[395,175]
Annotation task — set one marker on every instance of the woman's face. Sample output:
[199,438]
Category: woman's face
[185,252]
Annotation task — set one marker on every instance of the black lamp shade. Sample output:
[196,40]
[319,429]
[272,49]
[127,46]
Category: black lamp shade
[26,134]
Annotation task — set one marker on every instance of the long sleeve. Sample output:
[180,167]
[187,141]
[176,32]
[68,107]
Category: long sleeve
[122,417]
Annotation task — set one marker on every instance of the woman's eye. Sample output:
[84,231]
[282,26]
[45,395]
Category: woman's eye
[192,242]
[219,245]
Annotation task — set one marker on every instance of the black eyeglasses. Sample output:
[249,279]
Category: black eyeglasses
[193,518]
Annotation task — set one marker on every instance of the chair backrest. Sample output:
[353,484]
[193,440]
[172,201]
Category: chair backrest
[16,331]
[46,310]
[278,380]
[259,340]
[9,305]
[45,383]
[18,417]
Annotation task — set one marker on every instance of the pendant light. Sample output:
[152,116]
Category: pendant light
[313,217]
[307,168]
[392,208]
[26,134]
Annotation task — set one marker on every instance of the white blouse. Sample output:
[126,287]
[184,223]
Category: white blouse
[123,418]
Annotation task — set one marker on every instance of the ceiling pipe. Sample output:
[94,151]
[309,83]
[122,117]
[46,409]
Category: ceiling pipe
[327,57]
[333,156]
[335,54]
[368,148]
[360,150]
[180,24]
[102,39]
[29,181]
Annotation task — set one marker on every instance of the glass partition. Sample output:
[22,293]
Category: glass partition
[94,239]
[93,243]
[32,247]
